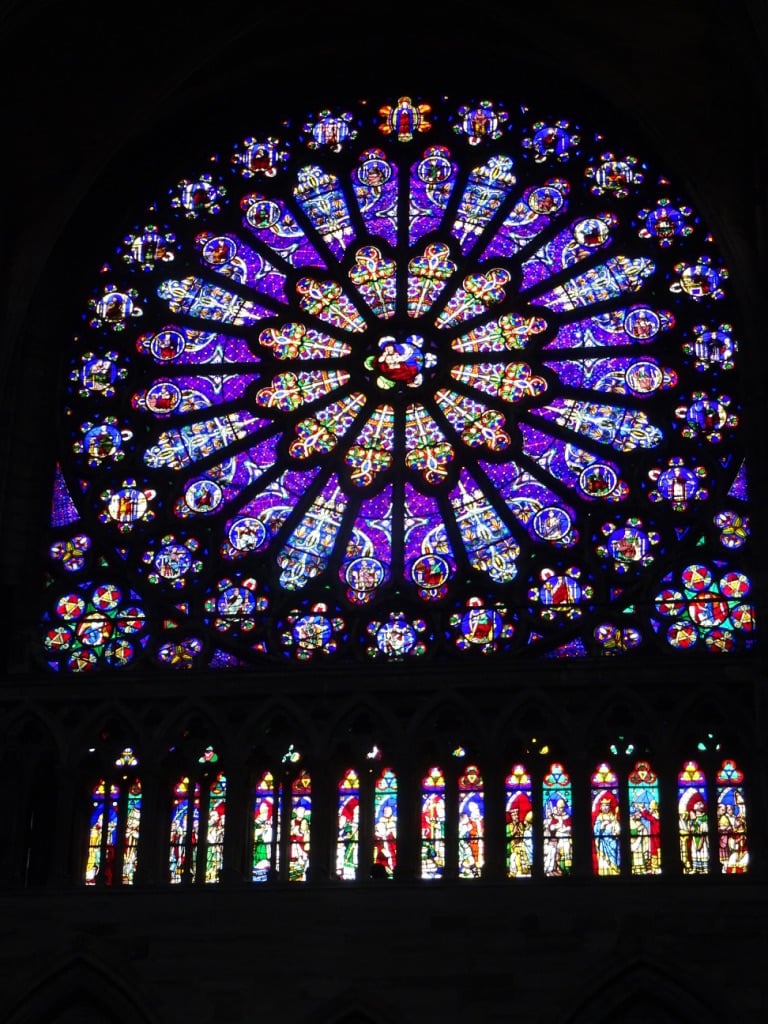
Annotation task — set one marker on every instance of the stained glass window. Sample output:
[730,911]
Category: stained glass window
[644,824]
[265,861]
[471,823]
[519,823]
[627,812]
[301,827]
[557,822]
[114,828]
[185,830]
[385,823]
[606,822]
[348,826]
[217,820]
[731,820]
[418,377]
[198,822]
[693,819]
[433,824]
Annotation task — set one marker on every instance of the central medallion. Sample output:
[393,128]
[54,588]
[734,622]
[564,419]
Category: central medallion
[400,362]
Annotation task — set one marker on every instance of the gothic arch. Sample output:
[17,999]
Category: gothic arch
[360,721]
[706,726]
[108,727]
[621,719]
[31,727]
[194,724]
[356,1005]
[80,983]
[640,991]
[533,715]
[270,727]
[446,722]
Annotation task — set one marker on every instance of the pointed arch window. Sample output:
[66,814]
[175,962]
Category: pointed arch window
[606,822]
[385,823]
[731,820]
[348,826]
[185,830]
[471,837]
[557,822]
[692,796]
[644,820]
[215,828]
[115,825]
[519,823]
[198,823]
[267,810]
[300,828]
[433,823]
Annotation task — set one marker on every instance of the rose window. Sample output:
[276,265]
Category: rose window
[417,379]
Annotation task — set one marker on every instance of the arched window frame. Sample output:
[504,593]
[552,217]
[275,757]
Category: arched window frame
[299,860]
[557,822]
[433,847]
[471,823]
[694,821]
[266,828]
[197,822]
[519,823]
[114,825]
[732,819]
[385,823]
[348,814]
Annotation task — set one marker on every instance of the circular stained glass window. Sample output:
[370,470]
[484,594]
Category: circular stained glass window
[414,379]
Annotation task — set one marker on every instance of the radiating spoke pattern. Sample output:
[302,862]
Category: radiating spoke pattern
[410,379]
